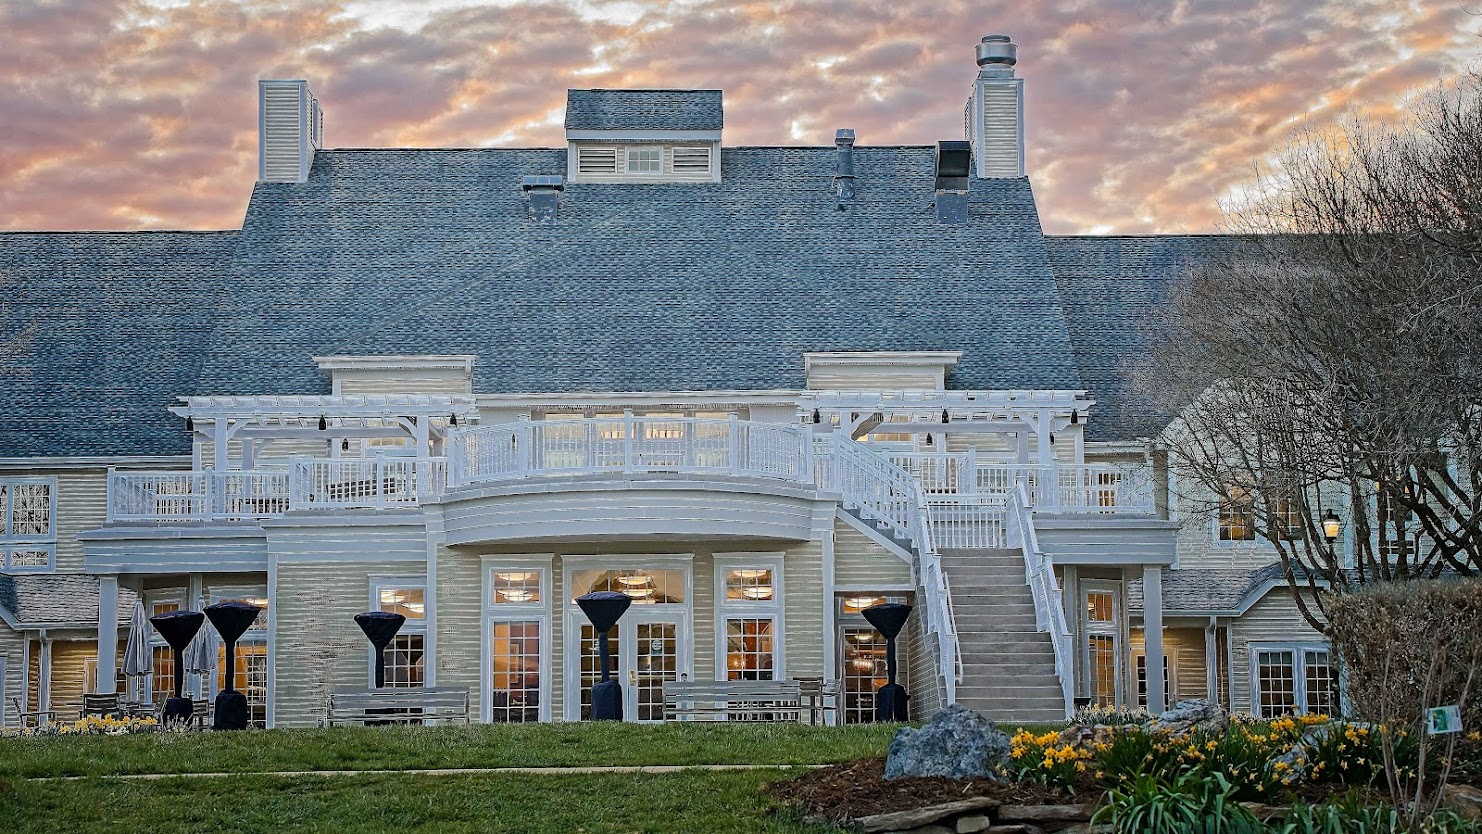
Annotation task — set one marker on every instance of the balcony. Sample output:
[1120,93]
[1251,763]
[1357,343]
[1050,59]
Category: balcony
[305,484]
[1085,488]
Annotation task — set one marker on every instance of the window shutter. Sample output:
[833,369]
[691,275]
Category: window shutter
[596,160]
[692,161]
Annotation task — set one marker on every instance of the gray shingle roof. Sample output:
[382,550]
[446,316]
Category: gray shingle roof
[644,109]
[1207,590]
[121,322]
[58,600]
[1110,288]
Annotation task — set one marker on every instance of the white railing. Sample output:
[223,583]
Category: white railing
[1104,488]
[633,444]
[1055,487]
[966,520]
[940,472]
[1004,478]
[884,492]
[1049,604]
[346,483]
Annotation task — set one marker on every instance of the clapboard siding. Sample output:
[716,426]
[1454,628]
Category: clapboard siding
[167,549]
[1198,536]
[1072,540]
[921,671]
[1185,646]
[705,625]
[82,504]
[859,561]
[405,382]
[12,649]
[317,646]
[69,675]
[1274,619]
[875,377]
[460,590]
[803,604]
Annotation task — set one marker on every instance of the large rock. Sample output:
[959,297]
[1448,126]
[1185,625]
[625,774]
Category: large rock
[956,743]
[1295,759]
[1196,714]
[1465,800]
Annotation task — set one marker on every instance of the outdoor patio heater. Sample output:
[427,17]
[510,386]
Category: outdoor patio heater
[380,628]
[178,628]
[890,700]
[231,620]
[604,609]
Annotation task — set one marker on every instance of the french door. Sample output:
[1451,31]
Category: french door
[648,647]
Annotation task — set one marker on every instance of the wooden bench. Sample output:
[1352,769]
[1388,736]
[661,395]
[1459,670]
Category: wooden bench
[400,705]
[734,700]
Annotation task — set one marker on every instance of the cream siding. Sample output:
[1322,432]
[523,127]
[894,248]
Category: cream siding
[705,625]
[880,377]
[317,646]
[460,593]
[69,675]
[802,571]
[1274,619]
[920,668]
[12,685]
[349,382]
[1185,648]
[861,562]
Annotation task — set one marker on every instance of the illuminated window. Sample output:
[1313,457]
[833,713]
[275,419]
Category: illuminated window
[644,586]
[1103,642]
[162,679]
[1099,607]
[404,655]
[749,585]
[1237,516]
[514,666]
[749,649]
[749,606]
[1292,679]
[1169,696]
[863,657]
[856,604]
[1286,519]
[515,587]
[250,677]
[1103,655]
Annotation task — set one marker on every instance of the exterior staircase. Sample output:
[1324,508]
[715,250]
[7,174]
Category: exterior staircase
[1008,666]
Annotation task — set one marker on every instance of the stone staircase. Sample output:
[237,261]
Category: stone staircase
[1008,668]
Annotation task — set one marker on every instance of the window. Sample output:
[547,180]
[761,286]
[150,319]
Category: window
[162,679]
[250,677]
[596,160]
[749,603]
[1169,696]
[1237,516]
[646,159]
[862,657]
[1286,519]
[27,523]
[645,587]
[1103,637]
[1395,524]
[404,655]
[516,622]
[1292,679]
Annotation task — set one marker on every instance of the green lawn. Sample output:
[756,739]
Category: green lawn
[397,748]
[691,801]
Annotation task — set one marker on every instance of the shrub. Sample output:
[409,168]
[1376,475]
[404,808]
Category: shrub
[1192,804]
[1135,752]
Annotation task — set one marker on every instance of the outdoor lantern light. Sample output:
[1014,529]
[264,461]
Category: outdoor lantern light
[817,418]
[928,439]
[190,424]
[603,610]
[453,421]
[380,627]
[178,628]
[946,418]
[1331,525]
[231,620]
[890,699]
[1075,416]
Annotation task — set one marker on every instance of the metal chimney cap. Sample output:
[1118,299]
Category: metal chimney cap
[844,136]
[997,49]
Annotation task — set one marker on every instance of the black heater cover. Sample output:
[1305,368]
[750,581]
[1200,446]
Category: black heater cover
[604,609]
[380,627]
[890,700]
[178,628]
[231,619]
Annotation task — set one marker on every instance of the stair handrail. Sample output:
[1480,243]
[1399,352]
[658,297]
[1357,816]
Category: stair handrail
[884,492]
[1049,604]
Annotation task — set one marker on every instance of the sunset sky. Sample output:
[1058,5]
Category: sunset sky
[124,114]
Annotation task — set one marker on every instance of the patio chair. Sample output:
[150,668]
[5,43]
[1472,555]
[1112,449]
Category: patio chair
[36,718]
[104,705]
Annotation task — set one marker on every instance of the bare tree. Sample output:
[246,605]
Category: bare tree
[1331,358]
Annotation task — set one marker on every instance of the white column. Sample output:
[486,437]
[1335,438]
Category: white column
[107,634]
[220,434]
[1152,635]
[43,675]
[1212,661]
[830,630]
[1070,600]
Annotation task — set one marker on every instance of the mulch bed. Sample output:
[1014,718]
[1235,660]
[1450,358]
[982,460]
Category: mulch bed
[859,789]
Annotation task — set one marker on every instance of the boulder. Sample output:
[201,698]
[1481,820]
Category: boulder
[1186,716]
[1299,754]
[1465,800]
[956,743]
[1074,812]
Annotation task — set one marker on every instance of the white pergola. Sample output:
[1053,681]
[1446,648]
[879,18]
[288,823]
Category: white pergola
[251,421]
[1021,413]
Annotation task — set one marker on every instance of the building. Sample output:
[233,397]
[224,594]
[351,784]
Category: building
[756,388]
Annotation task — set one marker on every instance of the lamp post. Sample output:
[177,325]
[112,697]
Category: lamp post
[1331,526]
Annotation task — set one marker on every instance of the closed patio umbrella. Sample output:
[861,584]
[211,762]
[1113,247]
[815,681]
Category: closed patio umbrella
[138,660]
[200,657]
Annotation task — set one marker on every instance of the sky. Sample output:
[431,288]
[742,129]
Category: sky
[1141,115]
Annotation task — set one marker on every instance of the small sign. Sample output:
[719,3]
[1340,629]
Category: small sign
[1441,720]
[656,646]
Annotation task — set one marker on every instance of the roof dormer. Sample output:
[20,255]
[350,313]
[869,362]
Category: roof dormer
[643,136]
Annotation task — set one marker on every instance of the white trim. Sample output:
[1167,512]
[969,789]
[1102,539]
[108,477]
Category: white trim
[491,613]
[875,536]
[1116,630]
[272,639]
[772,609]
[640,135]
[639,399]
[1299,651]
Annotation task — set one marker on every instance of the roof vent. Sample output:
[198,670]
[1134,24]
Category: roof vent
[997,49]
[994,116]
[290,127]
[954,167]
[844,165]
[544,195]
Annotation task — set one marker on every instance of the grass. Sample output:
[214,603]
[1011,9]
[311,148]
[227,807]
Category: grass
[410,748]
[692,801]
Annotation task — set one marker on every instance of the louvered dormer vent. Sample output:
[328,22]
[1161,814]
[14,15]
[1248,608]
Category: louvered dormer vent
[647,136]
[640,162]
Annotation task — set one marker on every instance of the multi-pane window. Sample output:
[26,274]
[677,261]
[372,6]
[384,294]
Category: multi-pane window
[1292,679]
[643,586]
[404,655]
[162,678]
[749,608]
[1103,636]
[249,677]
[514,665]
[645,159]
[27,523]
[516,622]
[1395,524]
[1169,696]
[1286,519]
[863,673]
[1237,515]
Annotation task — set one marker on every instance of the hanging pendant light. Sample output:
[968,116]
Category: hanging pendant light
[453,421]
[190,425]
[323,423]
[817,418]
[1075,416]
[946,418]
[928,439]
